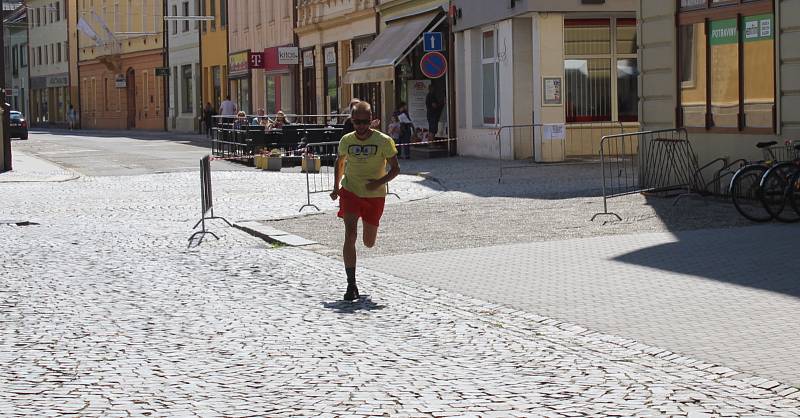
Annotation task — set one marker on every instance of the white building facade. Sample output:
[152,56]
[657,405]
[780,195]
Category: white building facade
[185,106]
[567,65]
[48,63]
[16,62]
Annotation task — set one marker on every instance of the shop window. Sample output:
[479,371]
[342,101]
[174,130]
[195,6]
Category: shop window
[758,71]
[594,92]
[489,84]
[186,88]
[692,58]
[309,85]
[726,57]
[724,81]
[331,79]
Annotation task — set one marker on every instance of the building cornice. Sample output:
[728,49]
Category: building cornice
[341,20]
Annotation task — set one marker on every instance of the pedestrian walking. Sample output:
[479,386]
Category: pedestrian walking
[433,111]
[394,128]
[361,169]
[72,118]
[227,109]
[208,118]
[347,127]
[406,130]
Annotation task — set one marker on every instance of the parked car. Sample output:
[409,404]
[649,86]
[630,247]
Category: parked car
[18,125]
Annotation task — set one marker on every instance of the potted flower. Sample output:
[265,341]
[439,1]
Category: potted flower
[274,160]
[311,163]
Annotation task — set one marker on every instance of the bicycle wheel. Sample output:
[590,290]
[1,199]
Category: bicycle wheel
[793,193]
[774,188]
[746,193]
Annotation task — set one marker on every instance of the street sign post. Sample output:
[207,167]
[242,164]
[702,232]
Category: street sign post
[432,41]
[433,64]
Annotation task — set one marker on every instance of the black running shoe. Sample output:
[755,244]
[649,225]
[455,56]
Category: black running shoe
[352,293]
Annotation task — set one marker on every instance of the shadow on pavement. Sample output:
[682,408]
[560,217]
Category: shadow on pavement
[481,177]
[365,303]
[182,137]
[762,257]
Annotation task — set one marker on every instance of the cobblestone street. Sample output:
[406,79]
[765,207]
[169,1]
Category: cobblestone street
[106,312]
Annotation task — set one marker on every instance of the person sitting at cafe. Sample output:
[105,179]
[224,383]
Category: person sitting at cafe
[241,120]
[280,120]
[261,119]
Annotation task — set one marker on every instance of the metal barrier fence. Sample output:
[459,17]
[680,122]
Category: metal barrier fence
[519,146]
[206,201]
[243,138]
[319,164]
[665,162]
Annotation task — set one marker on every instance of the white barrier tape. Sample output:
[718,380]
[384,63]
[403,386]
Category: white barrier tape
[250,157]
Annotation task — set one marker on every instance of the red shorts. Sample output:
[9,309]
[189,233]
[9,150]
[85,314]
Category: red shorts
[370,209]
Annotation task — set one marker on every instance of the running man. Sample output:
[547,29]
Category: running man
[362,159]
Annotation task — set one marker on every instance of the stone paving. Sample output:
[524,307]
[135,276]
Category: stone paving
[106,312]
[710,294]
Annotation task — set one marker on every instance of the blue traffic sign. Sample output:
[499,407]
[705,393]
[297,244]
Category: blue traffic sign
[432,41]
[433,65]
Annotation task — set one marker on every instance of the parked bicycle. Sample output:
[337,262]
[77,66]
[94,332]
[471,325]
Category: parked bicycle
[776,185]
[745,188]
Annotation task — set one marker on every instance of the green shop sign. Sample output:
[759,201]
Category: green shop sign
[724,32]
[758,28]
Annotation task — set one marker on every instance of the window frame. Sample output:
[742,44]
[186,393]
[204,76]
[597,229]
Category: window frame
[704,14]
[327,79]
[488,61]
[614,56]
[174,22]
[187,90]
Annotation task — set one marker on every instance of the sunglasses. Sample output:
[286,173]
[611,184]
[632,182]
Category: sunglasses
[361,121]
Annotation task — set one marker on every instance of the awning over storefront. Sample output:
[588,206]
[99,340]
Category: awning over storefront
[378,61]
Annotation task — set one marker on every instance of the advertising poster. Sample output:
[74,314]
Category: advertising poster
[417,90]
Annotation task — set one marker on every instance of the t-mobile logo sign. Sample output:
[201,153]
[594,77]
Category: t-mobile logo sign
[256,60]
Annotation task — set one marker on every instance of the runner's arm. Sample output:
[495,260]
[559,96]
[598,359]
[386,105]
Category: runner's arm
[394,170]
[338,172]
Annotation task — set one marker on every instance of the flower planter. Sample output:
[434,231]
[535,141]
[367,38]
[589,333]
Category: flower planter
[311,164]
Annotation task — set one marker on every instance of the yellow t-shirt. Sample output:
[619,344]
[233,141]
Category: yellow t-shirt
[366,160]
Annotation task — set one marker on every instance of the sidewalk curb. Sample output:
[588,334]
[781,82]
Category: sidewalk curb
[272,235]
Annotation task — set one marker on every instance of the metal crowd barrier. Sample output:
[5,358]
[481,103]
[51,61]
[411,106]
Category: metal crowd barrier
[319,164]
[243,142]
[648,162]
[206,201]
[521,146]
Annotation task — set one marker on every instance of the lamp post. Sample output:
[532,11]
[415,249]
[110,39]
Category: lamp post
[5,109]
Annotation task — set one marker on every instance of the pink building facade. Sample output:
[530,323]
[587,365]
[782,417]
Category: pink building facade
[262,32]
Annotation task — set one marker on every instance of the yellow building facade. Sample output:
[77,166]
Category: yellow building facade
[120,45]
[214,53]
[328,35]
